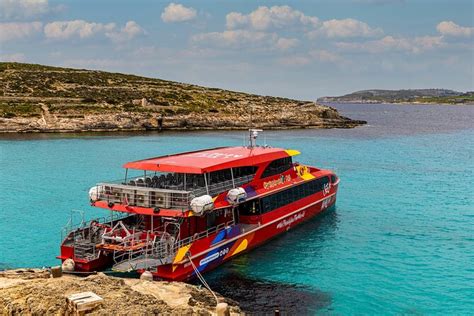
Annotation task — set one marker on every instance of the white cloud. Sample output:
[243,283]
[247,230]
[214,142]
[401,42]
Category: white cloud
[17,57]
[325,56]
[294,60]
[12,30]
[236,38]
[62,30]
[245,39]
[315,55]
[394,44]
[175,12]
[264,18]
[22,8]
[129,31]
[449,28]
[345,28]
[286,43]
[77,28]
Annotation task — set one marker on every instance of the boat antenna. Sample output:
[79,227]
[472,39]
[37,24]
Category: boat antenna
[253,134]
[251,117]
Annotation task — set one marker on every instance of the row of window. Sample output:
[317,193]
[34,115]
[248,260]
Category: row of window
[224,175]
[282,198]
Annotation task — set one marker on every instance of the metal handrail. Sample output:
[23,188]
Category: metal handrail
[186,241]
[150,249]
[163,198]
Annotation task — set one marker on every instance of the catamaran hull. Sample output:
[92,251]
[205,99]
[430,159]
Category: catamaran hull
[207,253]
[223,248]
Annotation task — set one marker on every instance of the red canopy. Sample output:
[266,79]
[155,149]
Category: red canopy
[208,160]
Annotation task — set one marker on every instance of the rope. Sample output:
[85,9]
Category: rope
[201,278]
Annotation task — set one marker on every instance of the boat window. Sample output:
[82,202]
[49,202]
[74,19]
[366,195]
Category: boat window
[244,171]
[249,208]
[211,219]
[285,197]
[219,176]
[277,166]
[333,178]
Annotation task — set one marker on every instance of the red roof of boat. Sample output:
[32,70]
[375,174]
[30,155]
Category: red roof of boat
[208,160]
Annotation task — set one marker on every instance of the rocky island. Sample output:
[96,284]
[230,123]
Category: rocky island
[37,98]
[35,292]
[411,96]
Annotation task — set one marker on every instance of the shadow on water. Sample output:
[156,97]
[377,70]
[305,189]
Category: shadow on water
[264,297]
[240,280]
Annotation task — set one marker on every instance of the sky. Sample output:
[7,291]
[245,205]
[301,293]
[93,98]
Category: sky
[297,49]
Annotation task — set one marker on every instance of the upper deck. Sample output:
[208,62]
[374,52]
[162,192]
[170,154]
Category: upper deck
[170,183]
[209,160]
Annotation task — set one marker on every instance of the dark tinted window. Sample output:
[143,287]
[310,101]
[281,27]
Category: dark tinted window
[249,208]
[282,198]
[244,171]
[277,166]
[226,174]
[333,178]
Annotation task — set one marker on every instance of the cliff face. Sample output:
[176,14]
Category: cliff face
[33,292]
[37,98]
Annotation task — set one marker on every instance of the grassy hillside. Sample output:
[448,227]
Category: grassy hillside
[436,96]
[89,91]
[76,99]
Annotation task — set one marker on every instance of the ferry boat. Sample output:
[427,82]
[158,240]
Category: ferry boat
[187,213]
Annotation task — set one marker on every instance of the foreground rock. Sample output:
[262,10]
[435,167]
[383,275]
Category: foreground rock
[35,292]
[36,98]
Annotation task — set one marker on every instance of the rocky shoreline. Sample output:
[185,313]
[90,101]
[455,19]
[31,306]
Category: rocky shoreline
[35,292]
[304,117]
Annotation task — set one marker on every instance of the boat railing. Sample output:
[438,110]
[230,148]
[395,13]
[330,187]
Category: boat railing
[143,196]
[160,249]
[219,187]
[79,227]
[151,197]
[215,229]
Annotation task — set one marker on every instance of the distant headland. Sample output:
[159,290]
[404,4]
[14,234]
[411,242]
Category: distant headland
[411,96]
[37,98]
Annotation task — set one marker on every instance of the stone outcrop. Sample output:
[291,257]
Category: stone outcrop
[34,292]
[35,98]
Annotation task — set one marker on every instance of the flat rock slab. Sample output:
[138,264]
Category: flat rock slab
[35,292]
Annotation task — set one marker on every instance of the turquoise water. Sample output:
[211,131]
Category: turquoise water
[401,240]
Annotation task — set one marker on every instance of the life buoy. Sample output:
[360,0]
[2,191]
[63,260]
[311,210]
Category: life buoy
[302,170]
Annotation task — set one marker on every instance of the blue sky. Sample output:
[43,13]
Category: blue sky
[298,49]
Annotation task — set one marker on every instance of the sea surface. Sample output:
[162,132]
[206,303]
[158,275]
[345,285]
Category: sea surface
[400,241]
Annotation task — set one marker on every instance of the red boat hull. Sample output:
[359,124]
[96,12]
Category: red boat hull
[207,254]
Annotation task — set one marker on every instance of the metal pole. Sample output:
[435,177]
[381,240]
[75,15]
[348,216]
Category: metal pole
[232,174]
[126,175]
[205,182]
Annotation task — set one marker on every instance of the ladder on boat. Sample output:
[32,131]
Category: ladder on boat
[84,250]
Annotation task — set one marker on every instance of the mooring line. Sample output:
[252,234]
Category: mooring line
[201,278]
